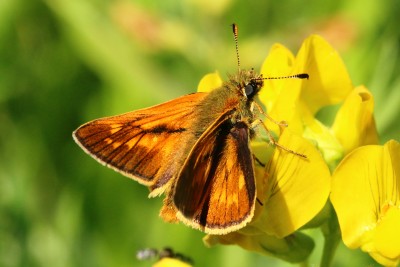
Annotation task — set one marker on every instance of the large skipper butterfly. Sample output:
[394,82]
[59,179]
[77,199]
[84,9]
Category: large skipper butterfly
[195,149]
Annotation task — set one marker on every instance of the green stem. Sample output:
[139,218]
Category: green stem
[304,264]
[331,232]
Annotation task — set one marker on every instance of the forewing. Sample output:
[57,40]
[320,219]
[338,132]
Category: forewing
[147,145]
[215,190]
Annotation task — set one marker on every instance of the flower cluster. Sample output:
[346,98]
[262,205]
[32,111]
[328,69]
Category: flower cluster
[296,193]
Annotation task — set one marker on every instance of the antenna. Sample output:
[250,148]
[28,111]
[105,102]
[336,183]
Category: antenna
[295,76]
[235,30]
[235,36]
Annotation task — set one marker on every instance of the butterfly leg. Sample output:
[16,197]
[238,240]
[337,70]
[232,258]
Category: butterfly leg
[258,161]
[274,142]
[279,123]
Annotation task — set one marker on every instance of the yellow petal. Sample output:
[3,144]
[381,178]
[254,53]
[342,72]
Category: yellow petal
[364,185]
[209,82]
[383,260]
[354,124]
[387,234]
[292,100]
[171,262]
[278,63]
[297,188]
[280,97]
[353,193]
[329,82]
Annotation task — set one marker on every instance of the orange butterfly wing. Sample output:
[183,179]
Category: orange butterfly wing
[148,145]
[216,190]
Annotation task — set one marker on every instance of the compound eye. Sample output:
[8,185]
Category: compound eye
[249,89]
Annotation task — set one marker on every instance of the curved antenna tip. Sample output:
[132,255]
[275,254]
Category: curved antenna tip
[303,76]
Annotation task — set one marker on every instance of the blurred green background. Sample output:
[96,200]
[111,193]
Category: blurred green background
[65,62]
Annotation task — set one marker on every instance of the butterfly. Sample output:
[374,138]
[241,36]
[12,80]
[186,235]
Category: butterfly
[195,149]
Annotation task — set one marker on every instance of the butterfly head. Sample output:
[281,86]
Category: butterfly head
[248,82]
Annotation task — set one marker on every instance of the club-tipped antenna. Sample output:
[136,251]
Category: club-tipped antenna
[295,76]
[235,36]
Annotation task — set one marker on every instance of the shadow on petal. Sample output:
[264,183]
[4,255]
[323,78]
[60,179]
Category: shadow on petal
[296,188]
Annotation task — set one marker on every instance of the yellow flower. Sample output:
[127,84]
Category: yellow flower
[354,124]
[209,82]
[366,197]
[293,190]
[170,262]
[297,102]
[165,257]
